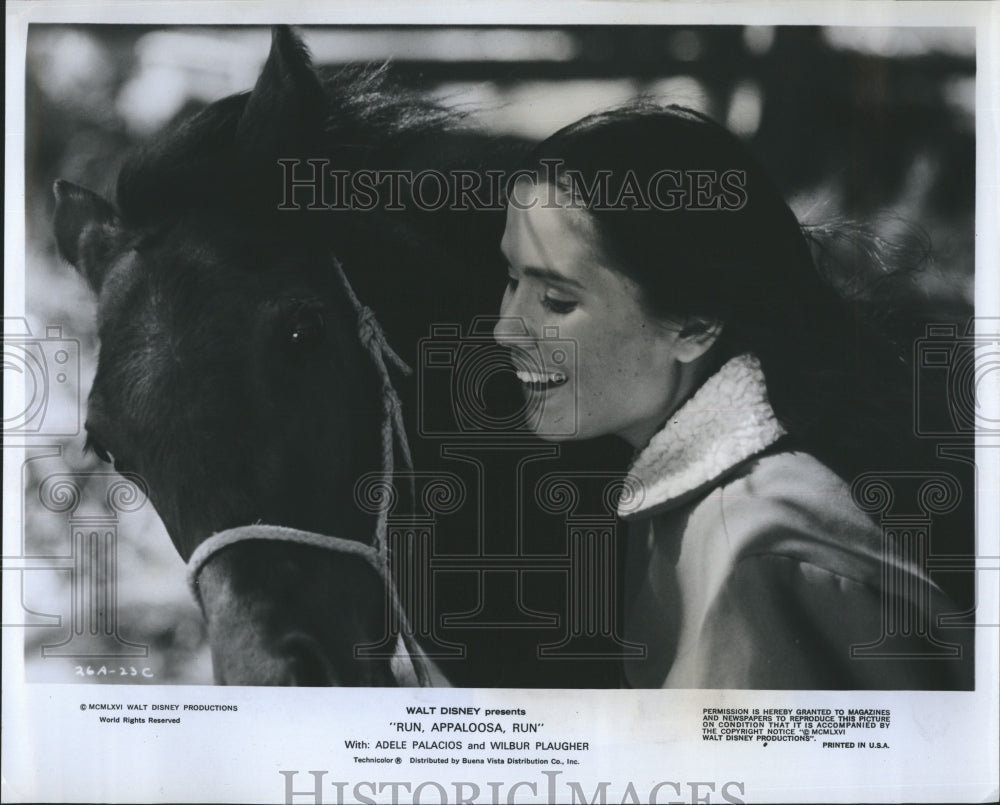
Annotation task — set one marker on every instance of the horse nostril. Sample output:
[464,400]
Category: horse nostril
[306,663]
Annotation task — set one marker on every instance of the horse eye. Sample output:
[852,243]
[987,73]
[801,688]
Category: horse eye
[307,329]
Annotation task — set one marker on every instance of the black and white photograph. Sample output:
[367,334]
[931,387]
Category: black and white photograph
[460,407]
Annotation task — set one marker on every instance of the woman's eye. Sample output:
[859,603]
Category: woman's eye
[560,306]
[511,284]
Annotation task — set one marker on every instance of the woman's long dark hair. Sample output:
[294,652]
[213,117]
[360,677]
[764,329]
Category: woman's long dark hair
[720,242]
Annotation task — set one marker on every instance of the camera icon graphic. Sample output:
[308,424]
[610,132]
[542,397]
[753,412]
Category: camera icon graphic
[41,381]
[957,380]
[468,383]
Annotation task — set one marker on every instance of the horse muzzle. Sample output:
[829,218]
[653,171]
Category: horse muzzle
[288,607]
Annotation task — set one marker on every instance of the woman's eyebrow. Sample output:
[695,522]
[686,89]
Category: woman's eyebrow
[549,275]
[542,273]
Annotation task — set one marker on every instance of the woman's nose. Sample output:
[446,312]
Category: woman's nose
[509,327]
[509,324]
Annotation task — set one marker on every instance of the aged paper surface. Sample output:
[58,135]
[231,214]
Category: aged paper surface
[883,113]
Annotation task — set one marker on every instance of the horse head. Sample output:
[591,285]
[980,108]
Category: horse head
[231,375]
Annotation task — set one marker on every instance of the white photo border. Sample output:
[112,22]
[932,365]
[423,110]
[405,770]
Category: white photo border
[271,747]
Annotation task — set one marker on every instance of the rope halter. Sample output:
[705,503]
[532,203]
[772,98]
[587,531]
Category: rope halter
[393,435]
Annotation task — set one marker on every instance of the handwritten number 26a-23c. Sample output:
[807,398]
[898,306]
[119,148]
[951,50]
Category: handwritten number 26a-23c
[121,670]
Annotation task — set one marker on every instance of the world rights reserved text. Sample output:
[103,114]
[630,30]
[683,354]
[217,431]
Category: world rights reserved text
[134,713]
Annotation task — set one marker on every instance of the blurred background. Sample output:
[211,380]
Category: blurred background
[870,125]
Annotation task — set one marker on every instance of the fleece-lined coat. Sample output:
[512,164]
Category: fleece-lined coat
[749,565]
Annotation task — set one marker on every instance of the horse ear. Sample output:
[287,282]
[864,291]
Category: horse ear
[286,109]
[87,230]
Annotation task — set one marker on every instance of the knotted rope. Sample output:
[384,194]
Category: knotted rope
[393,430]
[393,433]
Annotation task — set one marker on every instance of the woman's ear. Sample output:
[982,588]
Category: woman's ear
[696,337]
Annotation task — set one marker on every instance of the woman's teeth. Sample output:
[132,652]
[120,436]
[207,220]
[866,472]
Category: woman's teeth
[541,379]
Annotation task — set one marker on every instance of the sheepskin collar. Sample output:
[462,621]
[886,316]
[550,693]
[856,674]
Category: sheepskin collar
[725,422]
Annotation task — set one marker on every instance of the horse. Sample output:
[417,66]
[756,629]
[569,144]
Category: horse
[243,374]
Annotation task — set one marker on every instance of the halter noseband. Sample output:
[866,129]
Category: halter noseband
[393,433]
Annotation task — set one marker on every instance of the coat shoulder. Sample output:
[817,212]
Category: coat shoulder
[791,505]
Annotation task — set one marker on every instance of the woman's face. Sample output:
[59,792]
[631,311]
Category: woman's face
[590,361]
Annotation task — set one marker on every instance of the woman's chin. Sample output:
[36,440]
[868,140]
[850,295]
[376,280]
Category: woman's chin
[551,413]
[554,437]
[552,428]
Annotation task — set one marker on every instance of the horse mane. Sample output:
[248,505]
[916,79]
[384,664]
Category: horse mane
[196,164]
[366,105]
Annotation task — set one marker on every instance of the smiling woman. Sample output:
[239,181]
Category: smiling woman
[559,277]
[706,338]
